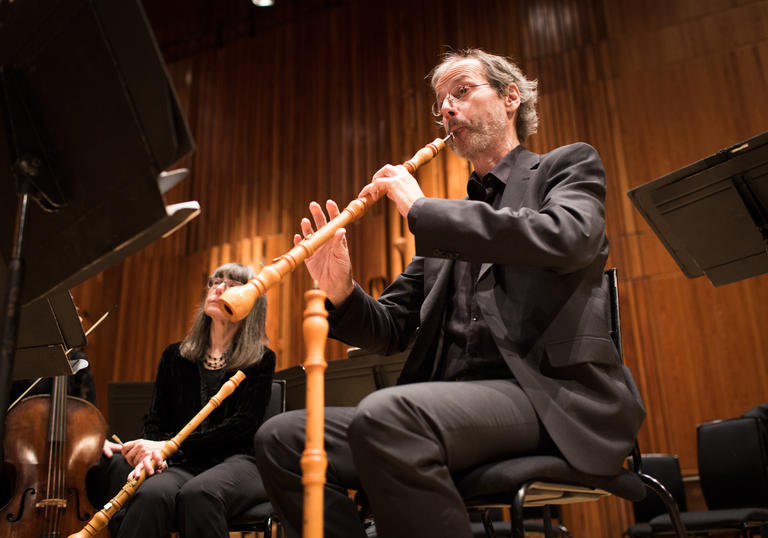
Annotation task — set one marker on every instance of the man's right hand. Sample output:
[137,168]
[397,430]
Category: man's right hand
[330,265]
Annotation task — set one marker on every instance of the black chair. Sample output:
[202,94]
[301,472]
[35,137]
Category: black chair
[666,469]
[545,480]
[259,518]
[733,469]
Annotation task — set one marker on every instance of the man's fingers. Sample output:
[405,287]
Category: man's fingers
[317,215]
[306,227]
[339,238]
[332,208]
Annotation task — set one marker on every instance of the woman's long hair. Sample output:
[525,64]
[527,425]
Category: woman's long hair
[247,344]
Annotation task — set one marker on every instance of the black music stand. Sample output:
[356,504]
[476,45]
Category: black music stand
[88,123]
[712,215]
[48,327]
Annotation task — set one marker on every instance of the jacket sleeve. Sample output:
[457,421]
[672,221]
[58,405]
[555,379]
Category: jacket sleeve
[562,231]
[386,325]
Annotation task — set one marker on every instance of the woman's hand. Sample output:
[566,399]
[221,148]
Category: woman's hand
[111,448]
[144,454]
[153,463]
[137,450]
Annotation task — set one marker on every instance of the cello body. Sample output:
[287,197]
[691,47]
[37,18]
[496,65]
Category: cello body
[51,442]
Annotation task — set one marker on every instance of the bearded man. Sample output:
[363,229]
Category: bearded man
[506,308]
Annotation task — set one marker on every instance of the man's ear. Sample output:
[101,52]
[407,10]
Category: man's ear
[513,95]
[512,99]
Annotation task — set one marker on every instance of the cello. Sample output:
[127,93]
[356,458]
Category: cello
[51,442]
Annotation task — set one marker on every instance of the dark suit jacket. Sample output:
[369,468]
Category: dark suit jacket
[541,290]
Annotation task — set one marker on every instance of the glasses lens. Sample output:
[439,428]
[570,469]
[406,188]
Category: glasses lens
[436,109]
[459,92]
[228,283]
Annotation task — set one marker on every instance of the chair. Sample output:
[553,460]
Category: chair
[666,469]
[544,480]
[259,518]
[733,469]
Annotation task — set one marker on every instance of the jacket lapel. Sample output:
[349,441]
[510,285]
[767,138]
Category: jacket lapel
[435,295]
[517,185]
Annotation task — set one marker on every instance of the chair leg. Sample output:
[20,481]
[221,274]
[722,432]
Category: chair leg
[668,500]
[516,526]
[485,517]
[268,527]
[546,518]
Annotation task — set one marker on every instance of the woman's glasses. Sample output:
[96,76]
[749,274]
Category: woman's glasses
[215,282]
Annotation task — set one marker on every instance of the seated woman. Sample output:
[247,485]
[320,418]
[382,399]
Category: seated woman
[213,476]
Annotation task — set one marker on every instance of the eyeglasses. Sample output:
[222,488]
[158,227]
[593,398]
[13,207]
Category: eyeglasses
[457,93]
[218,281]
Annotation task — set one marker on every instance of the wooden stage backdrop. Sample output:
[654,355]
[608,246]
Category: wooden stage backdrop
[310,109]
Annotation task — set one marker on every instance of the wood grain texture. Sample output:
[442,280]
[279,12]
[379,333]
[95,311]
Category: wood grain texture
[311,109]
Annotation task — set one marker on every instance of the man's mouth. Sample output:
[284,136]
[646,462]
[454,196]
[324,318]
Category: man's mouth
[455,128]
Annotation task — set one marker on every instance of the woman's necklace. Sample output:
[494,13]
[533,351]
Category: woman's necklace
[216,363]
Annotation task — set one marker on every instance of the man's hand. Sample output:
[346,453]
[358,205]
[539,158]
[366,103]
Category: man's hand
[399,186]
[330,265]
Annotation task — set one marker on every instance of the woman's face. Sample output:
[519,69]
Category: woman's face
[216,286]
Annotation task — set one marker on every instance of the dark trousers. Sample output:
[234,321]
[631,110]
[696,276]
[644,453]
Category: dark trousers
[400,445]
[195,505]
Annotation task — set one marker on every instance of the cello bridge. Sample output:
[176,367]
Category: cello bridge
[55,503]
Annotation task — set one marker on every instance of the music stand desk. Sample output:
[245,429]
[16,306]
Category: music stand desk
[712,215]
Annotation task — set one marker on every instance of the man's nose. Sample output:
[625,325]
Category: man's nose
[448,107]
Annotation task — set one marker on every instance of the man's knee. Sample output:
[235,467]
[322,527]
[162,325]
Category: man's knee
[278,436]
[381,415]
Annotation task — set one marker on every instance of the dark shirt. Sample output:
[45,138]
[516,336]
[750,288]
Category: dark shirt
[469,351]
[179,395]
[210,381]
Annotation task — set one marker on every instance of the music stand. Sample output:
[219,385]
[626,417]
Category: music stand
[47,329]
[88,123]
[712,215]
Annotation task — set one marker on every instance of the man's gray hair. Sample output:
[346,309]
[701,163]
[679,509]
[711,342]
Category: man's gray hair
[500,72]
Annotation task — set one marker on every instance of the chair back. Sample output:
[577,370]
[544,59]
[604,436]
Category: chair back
[276,403]
[733,466]
[127,403]
[666,469]
[611,276]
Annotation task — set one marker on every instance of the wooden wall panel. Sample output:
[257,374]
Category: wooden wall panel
[312,108]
